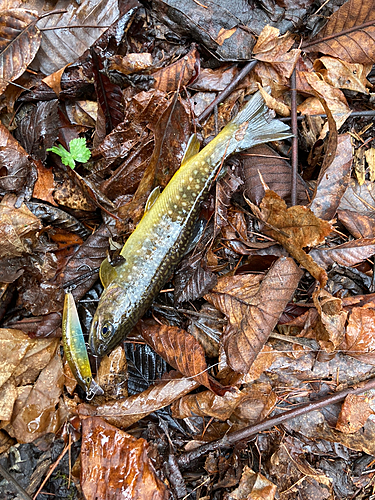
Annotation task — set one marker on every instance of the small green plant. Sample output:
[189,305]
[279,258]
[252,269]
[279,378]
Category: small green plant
[78,151]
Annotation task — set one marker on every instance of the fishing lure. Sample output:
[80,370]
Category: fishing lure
[158,243]
[75,347]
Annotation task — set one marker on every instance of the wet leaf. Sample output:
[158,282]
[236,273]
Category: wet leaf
[17,228]
[300,229]
[348,254]
[126,412]
[213,80]
[120,469]
[109,95]
[350,34]
[37,415]
[360,334]
[333,184]
[131,63]
[45,184]
[354,413]
[181,350]
[16,168]
[178,74]
[225,188]
[330,327]
[39,129]
[275,171]
[60,47]
[19,42]
[253,307]
[112,374]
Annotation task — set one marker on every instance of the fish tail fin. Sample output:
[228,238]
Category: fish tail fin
[255,125]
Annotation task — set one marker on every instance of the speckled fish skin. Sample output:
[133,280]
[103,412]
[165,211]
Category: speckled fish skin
[74,344]
[161,237]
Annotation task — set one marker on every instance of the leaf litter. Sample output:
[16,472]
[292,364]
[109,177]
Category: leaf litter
[270,309]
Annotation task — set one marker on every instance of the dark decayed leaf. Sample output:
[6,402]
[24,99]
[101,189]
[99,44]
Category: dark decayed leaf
[300,228]
[39,129]
[347,254]
[253,307]
[225,188]
[17,171]
[126,412]
[350,32]
[109,95]
[115,465]
[181,350]
[144,367]
[262,162]
[333,184]
[330,326]
[19,42]
[60,47]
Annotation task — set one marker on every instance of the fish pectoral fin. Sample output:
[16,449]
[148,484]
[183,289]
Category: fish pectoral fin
[107,273]
[154,195]
[192,149]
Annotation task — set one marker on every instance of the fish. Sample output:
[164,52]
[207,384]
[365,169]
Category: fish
[74,345]
[160,239]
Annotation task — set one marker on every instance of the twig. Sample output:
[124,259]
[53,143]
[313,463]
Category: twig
[225,93]
[369,112]
[15,483]
[53,467]
[295,137]
[186,459]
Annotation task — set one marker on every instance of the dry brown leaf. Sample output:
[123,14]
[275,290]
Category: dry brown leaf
[330,327]
[348,254]
[300,228]
[131,63]
[129,410]
[343,75]
[45,184]
[179,349]
[334,98]
[360,334]
[349,33]
[54,80]
[253,486]
[276,105]
[253,309]
[16,224]
[334,181]
[359,199]
[370,158]
[115,465]
[354,412]
[276,50]
[19,42]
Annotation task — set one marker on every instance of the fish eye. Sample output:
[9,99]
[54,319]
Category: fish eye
[107,330]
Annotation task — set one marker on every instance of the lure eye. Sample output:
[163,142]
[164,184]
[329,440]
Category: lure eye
[107,330]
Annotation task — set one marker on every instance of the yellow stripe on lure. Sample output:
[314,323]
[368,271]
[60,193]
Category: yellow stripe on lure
[74,345]
[161,237]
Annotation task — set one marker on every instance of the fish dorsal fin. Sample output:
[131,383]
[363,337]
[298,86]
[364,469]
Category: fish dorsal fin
[192,149]
[107,273]
[154,195]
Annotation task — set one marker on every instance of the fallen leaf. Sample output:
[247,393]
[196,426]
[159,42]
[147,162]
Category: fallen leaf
[20,41]
[112,375]
[354,413]
[253,486]
[370,158]
[359,199]
[330,326]
[45,184]
[276,105]
[213,80]
[301,228]
[17,228]
[335,180]
[253,306]
[131,63]
[276,173]
[348,254]
[343,75]
[349,34]
[359,226]
[360,334]
[119,470]
[181,350]
[178,74]
[126,412]
[276,50]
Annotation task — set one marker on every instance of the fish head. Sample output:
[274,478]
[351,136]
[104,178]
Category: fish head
[110,320]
